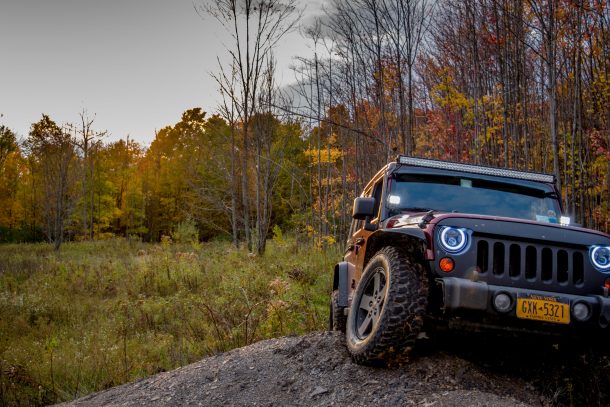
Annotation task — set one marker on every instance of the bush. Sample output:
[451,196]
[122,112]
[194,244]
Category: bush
[186,232]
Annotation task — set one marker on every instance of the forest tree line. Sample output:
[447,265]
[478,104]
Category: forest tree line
[512,83]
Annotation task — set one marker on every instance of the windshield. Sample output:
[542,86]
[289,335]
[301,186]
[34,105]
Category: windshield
[470,195]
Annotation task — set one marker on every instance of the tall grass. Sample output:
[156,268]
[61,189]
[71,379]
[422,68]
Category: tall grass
[104,313]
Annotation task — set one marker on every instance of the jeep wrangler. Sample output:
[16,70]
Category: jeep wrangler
[464,246]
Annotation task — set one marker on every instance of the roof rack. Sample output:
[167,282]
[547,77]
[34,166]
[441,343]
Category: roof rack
[475,169]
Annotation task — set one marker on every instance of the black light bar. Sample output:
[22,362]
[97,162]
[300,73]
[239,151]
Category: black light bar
[475,169]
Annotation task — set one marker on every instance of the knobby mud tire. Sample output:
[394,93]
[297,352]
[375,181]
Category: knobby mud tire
[401,314]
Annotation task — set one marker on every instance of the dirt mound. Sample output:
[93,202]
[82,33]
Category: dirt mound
[315,370]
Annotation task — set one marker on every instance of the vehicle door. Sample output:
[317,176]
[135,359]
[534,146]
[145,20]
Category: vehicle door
[356,245]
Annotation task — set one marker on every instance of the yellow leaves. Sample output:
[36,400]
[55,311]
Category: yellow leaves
[326,241]
[447,95]
[600,164]
[332,139]
[323,157]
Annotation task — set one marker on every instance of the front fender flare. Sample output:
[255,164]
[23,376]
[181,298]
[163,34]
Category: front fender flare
[413,240]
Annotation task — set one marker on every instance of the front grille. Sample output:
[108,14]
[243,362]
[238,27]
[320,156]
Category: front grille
[529,262]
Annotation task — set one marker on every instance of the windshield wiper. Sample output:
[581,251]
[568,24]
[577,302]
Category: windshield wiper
[551,195]
[417,209]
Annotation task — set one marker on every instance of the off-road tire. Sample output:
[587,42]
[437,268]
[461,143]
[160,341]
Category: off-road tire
[338,320]
[400,313]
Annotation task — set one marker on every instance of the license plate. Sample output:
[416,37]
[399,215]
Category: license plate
[543,308]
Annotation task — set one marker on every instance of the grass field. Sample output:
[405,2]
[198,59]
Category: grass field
[104,313]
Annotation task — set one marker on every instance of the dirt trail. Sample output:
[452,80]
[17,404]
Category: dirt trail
[315,370]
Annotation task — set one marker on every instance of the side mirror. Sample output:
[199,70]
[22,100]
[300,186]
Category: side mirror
[363,208]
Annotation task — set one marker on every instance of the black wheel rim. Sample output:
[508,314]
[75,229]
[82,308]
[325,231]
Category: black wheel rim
[370,304]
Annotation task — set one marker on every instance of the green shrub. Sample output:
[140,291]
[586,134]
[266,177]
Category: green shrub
[186,232]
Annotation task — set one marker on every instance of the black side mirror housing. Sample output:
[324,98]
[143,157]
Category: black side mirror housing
[363,208]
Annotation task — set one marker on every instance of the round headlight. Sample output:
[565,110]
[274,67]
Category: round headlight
[600,257]
[453,240]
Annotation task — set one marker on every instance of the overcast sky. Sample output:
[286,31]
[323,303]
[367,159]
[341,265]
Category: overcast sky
[136,64]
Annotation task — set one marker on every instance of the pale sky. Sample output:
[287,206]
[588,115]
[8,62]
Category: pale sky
[135,64]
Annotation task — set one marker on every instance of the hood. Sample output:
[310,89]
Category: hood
[482,222]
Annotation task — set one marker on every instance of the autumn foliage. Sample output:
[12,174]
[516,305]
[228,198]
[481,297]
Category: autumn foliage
[517,83]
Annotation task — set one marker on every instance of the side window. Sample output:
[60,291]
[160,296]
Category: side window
[358,223]
[375,192]
[377,195]
[356,226]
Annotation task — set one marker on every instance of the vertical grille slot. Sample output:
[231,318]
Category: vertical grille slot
[562,266]
[578,269]
[498,259]
[547,264]
[525,263]
[514,260]
[530,262]
[482,256]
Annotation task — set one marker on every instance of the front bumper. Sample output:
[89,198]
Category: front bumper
[462,294]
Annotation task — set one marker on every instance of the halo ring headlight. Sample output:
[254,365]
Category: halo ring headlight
[453,240]
[600,257]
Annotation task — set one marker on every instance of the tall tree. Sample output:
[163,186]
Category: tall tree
[54,159]
[256,26]
[228,110]
[12,175]
[87,140]
[271,138]
[545,12]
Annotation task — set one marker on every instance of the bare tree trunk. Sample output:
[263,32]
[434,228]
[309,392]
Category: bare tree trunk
[87,140]
[552,89]
[233,189]
[322,220]
[256,26]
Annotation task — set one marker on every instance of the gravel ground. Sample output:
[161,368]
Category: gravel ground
[315,370]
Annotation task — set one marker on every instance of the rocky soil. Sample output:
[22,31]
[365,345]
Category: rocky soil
[315,370]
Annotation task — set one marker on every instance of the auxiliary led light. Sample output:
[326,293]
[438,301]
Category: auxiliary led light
[475,169]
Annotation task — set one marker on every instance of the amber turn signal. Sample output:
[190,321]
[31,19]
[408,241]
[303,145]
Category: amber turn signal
[607,283]
[446,264]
